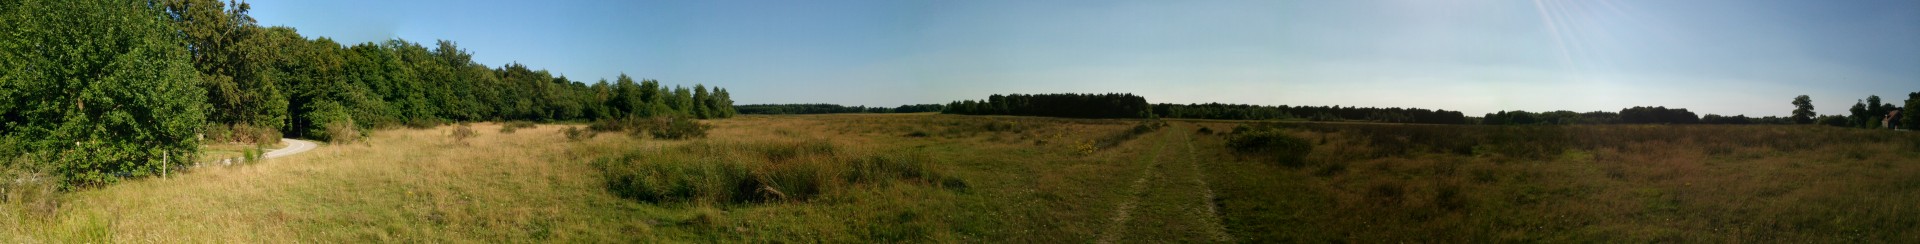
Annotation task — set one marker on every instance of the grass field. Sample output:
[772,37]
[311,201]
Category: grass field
[945,178]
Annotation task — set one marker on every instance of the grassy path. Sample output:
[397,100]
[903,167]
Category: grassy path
[1124,212]
[1214,227]
[1171,200]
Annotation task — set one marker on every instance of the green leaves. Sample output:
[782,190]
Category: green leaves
[1803,109]
[101,89]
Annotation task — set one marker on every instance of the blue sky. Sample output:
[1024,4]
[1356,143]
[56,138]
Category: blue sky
[1712,56]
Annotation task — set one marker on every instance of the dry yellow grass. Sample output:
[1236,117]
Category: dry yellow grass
[1045,180]
[1024,183]
[402,185]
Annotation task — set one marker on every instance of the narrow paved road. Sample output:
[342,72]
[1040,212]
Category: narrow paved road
[293,147]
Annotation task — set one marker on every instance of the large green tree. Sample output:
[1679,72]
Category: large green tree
[222,41]
[701,105]
[1803,110]
[1857,115]
[1875,111]
[1910,116]
[98,89]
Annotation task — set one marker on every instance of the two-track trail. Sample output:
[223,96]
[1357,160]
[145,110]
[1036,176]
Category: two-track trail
[1171,200]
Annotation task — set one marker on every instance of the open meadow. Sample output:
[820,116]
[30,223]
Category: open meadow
[1005,179]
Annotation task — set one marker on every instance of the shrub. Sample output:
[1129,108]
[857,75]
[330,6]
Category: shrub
[216,133]
[422,123]
[679,128]
[331,122]
[1204,131]
[1285,149]
[616,124]
[462,132]
[245,133]
[578,134]
[509,127]
[342,132]
[918,134]
[250,154]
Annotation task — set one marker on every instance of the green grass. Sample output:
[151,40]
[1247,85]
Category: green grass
[1383,183]
[944,178]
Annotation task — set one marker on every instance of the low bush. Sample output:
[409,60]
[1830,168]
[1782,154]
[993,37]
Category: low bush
[251,154]
[578,134]
[509,127]
[216,133]
[679,128]
[462,132]
[342,132]
[240,133]
[618,124]
[1285,149]
[420,123]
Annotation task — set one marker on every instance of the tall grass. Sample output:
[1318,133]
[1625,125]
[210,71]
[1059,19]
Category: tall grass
[671,127]
[761,172]
[1607,183]
[510,127]
[1285,149]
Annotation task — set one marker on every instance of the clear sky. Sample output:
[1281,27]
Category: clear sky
[1711,56]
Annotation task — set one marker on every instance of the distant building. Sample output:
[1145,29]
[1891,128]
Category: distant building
[1892,121]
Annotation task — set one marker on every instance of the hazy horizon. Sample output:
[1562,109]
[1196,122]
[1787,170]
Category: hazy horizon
[1719,57]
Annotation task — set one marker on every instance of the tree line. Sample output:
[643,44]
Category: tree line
[1118,105]
[1315,113]
[1071,105]
[98,90]
[822,108]
[1633,115]
[1866,113]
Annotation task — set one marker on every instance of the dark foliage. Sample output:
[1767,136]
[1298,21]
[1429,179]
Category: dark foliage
[1317,113]
[1285,149]
[1657,115]
[822,108]
[96,91]
[1634,115]
[1111,105]
[678,128]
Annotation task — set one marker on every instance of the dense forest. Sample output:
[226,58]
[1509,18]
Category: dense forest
[98,90]
[822,108]
[1111,105]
